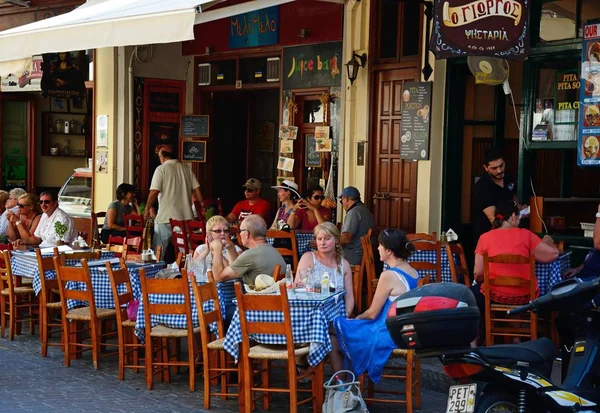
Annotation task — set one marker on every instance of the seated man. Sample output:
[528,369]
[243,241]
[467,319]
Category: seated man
[253,204]
[357,222]
[11,207]
[45,235]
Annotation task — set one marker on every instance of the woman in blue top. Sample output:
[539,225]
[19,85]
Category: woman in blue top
[364,342]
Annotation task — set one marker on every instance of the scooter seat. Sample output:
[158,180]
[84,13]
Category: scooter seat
[538,353]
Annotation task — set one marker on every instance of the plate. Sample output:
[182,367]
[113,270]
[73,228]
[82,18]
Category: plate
[461,399]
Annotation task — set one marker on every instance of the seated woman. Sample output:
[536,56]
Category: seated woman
[308,212]
[365,342]
[329,258]
[287,193]
[508,238]
[22,225]
[124,204]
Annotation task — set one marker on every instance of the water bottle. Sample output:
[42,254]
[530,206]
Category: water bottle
[188,266]
[289,278]
[325,284]
[339,381]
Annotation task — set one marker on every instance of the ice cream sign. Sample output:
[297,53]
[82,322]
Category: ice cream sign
[588,148]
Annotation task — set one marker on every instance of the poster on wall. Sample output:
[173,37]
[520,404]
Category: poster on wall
[102,131]
[481,28]
[64,74]
[588,144]
[416,104]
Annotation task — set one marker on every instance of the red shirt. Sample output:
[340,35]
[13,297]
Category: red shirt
[305,224]
[261,207]
[518,241]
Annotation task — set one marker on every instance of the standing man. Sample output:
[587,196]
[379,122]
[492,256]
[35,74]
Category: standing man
[492,188]
[357,223]
[172,184]
[253,204]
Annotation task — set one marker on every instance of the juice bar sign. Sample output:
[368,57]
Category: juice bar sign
[481,28]
[314,65]
[257,28]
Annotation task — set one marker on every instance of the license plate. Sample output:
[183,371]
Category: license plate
[461,399]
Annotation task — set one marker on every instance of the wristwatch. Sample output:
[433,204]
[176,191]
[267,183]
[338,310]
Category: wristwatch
[18,223]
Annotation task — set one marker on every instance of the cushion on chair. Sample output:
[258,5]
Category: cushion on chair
[83,313]
[164,331]
[275,352]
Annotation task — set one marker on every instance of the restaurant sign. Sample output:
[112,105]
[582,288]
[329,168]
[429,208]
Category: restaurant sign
[588,148]
[314,65]
[27,81]
[481,28]
[256,28]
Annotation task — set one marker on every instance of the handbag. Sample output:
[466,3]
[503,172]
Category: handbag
[132,310]
[343,397]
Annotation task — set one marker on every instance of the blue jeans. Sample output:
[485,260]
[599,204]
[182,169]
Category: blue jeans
[162,235]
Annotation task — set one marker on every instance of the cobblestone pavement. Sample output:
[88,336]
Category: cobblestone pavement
[31,383]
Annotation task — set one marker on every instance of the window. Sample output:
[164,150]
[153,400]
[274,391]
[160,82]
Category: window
[399,29]
[564,19]
[388,32]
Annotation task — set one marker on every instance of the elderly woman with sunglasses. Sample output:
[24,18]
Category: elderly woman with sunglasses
[217,228]
[308,211]
[22,225]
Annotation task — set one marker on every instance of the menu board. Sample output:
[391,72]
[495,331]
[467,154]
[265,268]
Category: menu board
[194,126]
[588,143]
[416,108]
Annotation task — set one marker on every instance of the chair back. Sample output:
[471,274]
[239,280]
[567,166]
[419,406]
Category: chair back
[132,244]
[508,280]
[85,228]
[289,252]
[427,267]
[265,303]
[196,233]
[204,293]
[367,266]
[120,277]
[157,286]
[180,261]
[460,272]
[6,247]
[97,224]
[46,264]
[6,276]
[422,236]
[179,237]
[66,275]
[115,244]
[76,255]
[277,273]
[134,225]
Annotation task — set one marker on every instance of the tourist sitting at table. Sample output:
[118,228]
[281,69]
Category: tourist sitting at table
[217,228]
[308,212]
[287,193]
[45,234]
[3,198]
[507,238]
[114,224]
[10,208]
[253,204]
[329,258]
[23,224]
[364,342]
[260,258]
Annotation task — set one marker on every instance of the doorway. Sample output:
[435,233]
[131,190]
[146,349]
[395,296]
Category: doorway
[16,135]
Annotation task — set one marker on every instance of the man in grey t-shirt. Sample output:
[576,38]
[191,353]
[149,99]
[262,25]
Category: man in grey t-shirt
[260,258]
[357,223]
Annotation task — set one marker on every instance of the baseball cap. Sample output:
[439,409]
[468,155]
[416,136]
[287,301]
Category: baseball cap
[289,185]
[252,183]
[350,192]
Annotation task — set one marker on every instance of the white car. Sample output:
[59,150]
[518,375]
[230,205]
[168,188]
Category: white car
[75,196]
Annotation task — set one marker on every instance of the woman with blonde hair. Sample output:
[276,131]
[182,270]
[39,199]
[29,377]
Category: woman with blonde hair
[23,224]
[329,258]
[217,228]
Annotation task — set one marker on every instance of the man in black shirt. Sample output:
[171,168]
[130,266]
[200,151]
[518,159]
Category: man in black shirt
[494,186]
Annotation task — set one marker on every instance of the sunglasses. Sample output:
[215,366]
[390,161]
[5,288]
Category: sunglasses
[318,197]
[22,205]
[44,201]
[242,230]
[220,231]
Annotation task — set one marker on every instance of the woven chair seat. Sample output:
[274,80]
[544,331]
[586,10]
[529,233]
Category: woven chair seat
[55,304]
[26,281]
[19,291]
[217,344]
[83,313]
[128,324]
[164,331]
[399,353]
[275,352]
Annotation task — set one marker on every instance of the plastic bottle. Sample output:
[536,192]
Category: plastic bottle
[339,381]
[66,149]
[289,278]
[325,283]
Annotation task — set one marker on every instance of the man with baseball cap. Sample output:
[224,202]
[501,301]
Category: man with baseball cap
[357,223]
[253,204]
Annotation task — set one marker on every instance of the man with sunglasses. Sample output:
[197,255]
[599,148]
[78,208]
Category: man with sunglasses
[44,234]
[253,204]
[357,222]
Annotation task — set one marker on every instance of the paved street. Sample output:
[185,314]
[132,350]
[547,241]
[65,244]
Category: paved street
[31,383]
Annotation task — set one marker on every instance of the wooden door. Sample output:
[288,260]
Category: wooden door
[393,186]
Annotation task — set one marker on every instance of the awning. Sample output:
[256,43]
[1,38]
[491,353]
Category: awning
[112,23]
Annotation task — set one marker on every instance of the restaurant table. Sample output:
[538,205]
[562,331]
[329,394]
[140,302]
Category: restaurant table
[303,239]
[547,274]
[311,316]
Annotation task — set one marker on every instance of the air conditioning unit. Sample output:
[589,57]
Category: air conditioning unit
[204,74]
[273,69]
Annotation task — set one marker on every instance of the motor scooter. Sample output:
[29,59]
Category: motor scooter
[516,378]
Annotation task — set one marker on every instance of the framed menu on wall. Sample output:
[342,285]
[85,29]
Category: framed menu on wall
[415,133]
[192,151]
[194,126]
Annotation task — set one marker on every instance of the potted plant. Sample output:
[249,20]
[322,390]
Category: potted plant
[60,230]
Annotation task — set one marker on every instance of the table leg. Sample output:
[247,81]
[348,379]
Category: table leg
[318,381]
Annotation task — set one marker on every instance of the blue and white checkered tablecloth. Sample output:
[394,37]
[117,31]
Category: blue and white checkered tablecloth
[303,239]
[547,274]
[310,324]
[224,290]
[25,264]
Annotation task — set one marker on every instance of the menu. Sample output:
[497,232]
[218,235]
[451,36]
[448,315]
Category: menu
[416,108]
[193,126]
[588,144]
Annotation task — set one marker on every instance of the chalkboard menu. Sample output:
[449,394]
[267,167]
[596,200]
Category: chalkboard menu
[312,158]
[416,113]
[194,126]
[193,151]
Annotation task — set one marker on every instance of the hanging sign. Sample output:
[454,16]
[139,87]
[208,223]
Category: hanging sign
[416,106]
[481,28]
[27,81]
[256,28]
[589,111]
[63,75]
[313,65]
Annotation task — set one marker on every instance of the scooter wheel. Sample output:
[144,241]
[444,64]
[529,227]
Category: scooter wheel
[496,402]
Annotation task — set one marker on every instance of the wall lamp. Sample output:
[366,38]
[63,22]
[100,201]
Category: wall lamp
[354,64]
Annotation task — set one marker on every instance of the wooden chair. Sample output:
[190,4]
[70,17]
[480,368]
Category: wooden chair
[19,299]
[128,341]
[50,306]
[277,273]
[72,319]
[75,255]
[132,245]
[422,236]
[134,225]
[368,267]
[196,234]
[180,237]
[426,267]
[98,223]
[266,353]
[497,322]
[115,244]
[460,273]
[213,352]
[158,253]
[85,228]
[161,333]
[180,260]
[286,252]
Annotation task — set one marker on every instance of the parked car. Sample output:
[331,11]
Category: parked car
[75,196]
